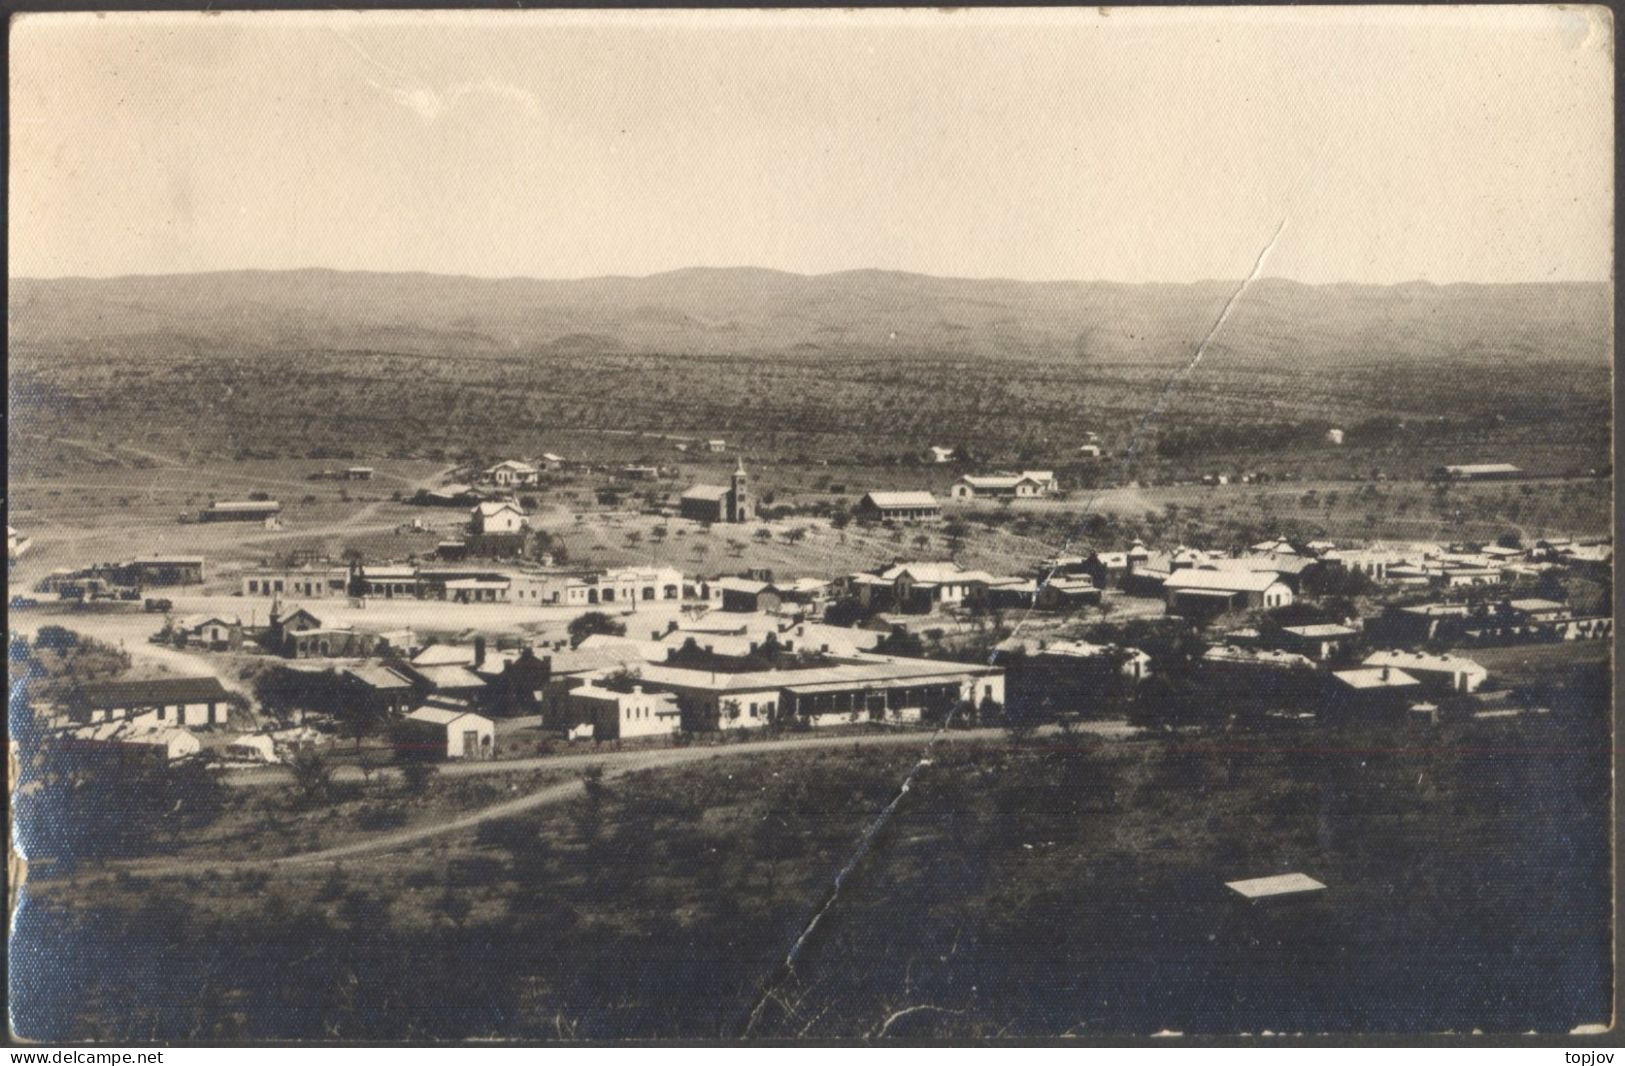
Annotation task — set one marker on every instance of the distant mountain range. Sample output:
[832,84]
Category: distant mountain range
[748,311]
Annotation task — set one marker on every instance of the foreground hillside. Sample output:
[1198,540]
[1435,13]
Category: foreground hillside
[1066,886]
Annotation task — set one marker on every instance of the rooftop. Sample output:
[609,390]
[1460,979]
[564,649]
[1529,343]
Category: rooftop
[161,690]
[1375,678]
[1278,885]
[902,499]
[1223,580]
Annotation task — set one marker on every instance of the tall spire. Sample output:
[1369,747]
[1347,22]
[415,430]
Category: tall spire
[739,467]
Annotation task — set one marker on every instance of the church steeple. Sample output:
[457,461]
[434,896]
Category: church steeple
[738,495]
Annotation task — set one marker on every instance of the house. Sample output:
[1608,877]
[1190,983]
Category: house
[1132,663]
[744,594]
[918,587]
[716,445]
[161,571]
[126,740]
[1334,436]
[634,472]
[1373,689]
[453,680]
[1025,485]
[385,582]
[498,517]
[519,687]
[327,642]
[210,631]
[857,688]
[477,589]
[358,473]
[1067,594]
[935,454]
[306,582]
[383,689]
[718,503]
[898,507]
[1207,592]
[1323,641]
[1089,451]
[445,729]
[628,585]
[164,701]
[511,473]
[549,461]
[240,511]
[625,715]
[1439,673]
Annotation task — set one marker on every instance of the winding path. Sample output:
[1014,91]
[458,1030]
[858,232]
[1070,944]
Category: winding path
[614,764]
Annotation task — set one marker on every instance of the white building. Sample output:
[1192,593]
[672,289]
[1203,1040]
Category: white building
[498,516]
[1029,484]
[625,715]
[445,730]
[1446,672]
[511,473]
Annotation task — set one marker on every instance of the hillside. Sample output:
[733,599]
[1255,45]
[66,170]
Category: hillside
[763,312]
[863,366]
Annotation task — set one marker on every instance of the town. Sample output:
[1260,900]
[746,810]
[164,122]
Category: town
[845,527]
[1290,631]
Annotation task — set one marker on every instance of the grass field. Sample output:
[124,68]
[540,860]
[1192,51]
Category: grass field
[1072,887]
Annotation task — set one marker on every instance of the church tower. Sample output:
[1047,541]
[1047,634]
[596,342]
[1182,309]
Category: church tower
[738,496]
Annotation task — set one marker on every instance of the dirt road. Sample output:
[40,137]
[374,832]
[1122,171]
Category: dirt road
[614,764]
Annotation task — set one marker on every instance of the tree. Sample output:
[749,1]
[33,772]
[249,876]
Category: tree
[903,643]
[846,612]
[594,622]
[1165,703]
[417,776]
[312,776]
[763,535]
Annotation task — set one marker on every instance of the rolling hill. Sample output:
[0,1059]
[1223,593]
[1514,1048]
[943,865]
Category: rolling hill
[771,313]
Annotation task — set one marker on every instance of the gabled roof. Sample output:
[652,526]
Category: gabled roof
[495,507]
[705,492]
[1230,580]
[934,573]
[160,690]
[377,676]
[442,715]
[997,481]
[198,621]
[450,676]
[444,655]
[914,499]
[742,584]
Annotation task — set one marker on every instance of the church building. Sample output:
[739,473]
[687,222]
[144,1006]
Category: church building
[718,503]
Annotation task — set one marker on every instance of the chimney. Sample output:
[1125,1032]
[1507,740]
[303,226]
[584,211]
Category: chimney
[479,652]
[637,690]
[1385,673]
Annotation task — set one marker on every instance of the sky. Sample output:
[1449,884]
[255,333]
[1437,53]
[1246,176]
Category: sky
[1139,144]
